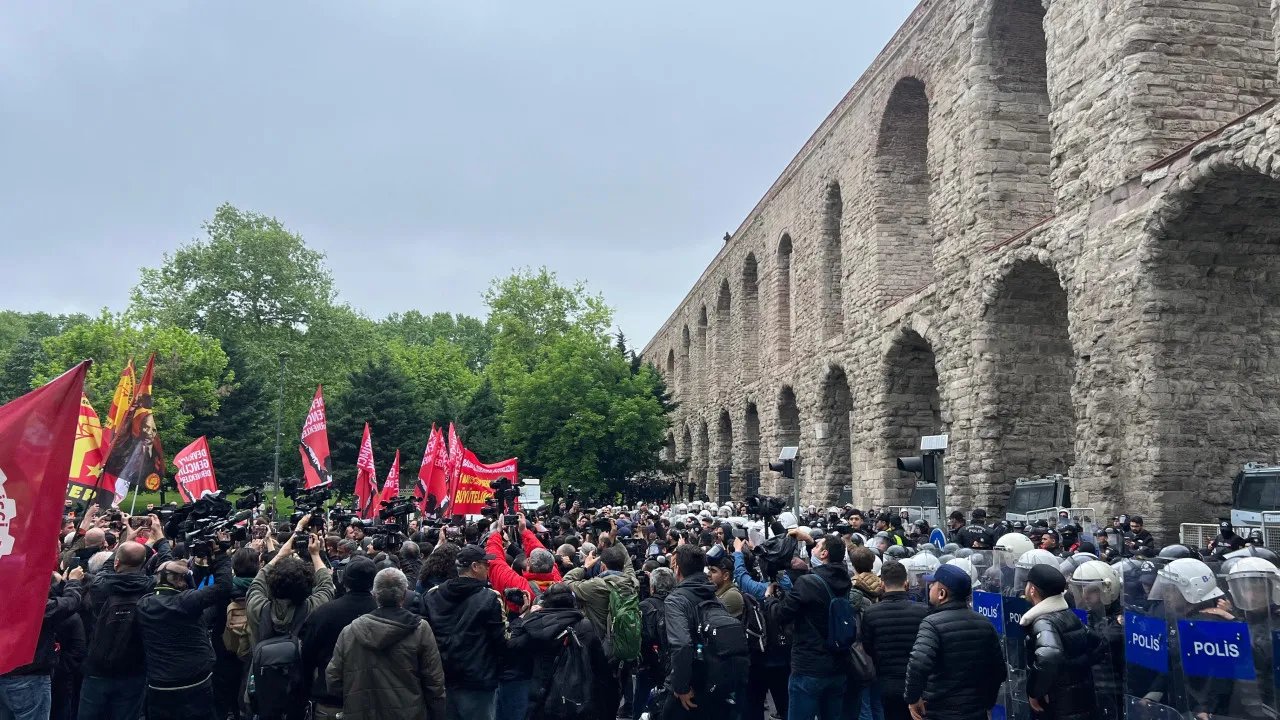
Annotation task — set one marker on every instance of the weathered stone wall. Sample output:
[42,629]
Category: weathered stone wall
[982,239]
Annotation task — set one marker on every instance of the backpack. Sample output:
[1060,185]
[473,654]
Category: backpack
[653,636]
[275,668]
[778,641]
[754,622]
[116,645]
[622,636]
[235,634]
[569,696]
[723,649]
[842,627]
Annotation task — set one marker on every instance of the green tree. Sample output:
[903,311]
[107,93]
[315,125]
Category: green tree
[480,425]
[471,335]
[380,394]
[22,353]
[238,442]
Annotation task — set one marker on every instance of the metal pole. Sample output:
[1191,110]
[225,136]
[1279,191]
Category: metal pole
[936,458]
[275,471]
[795,470]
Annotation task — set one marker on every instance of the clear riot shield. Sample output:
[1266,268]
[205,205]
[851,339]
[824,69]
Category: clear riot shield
[1095,595]
[917,586]
[1014,605]
[989,603]
[1253,587]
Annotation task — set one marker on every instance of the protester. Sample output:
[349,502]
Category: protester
[682,619]
[1060,650]
[819,684]
[593,595]
[545,636]
[956,664]
[720,573]
[471,627]
[26,691]
[114,679]
[889,631]
[386,665]
[289,588]
[319,634]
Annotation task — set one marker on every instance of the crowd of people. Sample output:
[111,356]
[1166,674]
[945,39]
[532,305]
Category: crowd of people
[691,610]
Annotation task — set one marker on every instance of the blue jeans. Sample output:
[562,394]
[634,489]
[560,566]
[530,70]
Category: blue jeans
[118,698]
[815,697]
[25,697]
[872,705]
[513,699]
[470,704]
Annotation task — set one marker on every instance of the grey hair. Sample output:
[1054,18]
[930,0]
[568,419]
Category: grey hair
[587,549]
[390,587]
[410,549]
[99,559]
[348,545]
[661,581]
[541,561]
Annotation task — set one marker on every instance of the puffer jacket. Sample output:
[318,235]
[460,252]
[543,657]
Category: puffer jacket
[542,638]
[807,607]
[888,633]
[593,593]
[471,630]
[1060,655]
[681,613]
[956,664]
[386,666]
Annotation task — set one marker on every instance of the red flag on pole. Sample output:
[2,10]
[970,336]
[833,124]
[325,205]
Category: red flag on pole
[431,483]
[452,465]
[424,470]
[317,468]
[473,482]
[366,478]
[37,438]
[391,490]
[136,457]
[195,471]
[121,399]
[86,459]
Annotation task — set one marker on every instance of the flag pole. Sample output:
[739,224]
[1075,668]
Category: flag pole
[275,471]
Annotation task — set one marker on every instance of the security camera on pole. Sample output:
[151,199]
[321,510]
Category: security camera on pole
[928,467]
[786,464]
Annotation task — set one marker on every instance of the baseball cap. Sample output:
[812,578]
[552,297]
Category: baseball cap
[955,580]
[473,554]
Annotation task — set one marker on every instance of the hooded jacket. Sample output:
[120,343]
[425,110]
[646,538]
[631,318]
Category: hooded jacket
[386,666]
[319,635]
[541,637]
[807,606]
[107,584]
[282,611]
[682,617]
[471,629]
[593,593]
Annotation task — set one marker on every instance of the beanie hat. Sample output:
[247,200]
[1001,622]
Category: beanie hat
[358,574]
[955,580]
[1047,579]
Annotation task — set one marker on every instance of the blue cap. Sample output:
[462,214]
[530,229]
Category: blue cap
[955,580]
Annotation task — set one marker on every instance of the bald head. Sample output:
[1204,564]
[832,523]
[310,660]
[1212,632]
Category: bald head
[95,537]
[130,556]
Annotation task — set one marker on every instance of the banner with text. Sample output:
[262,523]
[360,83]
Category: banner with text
[195,471]
[473,482]
[317,468]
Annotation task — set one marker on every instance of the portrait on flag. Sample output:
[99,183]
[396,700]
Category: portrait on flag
[87,457]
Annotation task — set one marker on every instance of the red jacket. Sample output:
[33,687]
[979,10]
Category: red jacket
[502,576]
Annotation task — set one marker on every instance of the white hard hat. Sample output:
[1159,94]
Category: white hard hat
[966,565]
[1187,577]
[1095,574]
[876,565]
[1254,583]
[788,520]
[1028,560]
[1011,546]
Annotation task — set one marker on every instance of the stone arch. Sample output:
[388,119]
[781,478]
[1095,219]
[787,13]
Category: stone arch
[704,364]
[686,449]
[749,352]
[911,407]
[749,464]
[1215,388]
[903,235]
[722,465]
[723,333]
[834,438]
[782,299]
[1024,345]
[1013,181]
[787,431]
[670,375]
[702,473]
[669,449]
[831,262]
[682,376]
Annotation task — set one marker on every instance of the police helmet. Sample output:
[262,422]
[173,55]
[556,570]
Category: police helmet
[1185,578]
[1095,576]
[1254,584]
[1012,546]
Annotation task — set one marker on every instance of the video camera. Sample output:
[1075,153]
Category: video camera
[505,493]
[200,523]
[310,502]
[765,506]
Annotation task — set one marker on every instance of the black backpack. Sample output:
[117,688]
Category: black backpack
[275,668]
[116,645]
[753,620]
[569,695]
[725,653]
[778,638]
[653,636]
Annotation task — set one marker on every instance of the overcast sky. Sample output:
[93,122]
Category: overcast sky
[424,146]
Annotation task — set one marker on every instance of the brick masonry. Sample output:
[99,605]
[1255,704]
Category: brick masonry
[1012,229]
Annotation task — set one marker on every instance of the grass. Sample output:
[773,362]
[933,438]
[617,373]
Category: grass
[284,505]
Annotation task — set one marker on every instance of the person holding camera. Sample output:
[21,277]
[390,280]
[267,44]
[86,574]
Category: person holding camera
[287,589]
[319,633]
[618,576]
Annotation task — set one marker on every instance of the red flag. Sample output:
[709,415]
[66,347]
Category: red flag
[136,457]
[195,471]
[452,464]
[37,437]
[317,468]
[473,482]
[431,483]
[121,399]
[366,478]
[391,490]
[86,460]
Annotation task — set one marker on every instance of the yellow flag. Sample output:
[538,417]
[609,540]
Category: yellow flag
[120,403]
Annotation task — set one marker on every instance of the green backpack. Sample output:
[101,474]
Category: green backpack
[622,637]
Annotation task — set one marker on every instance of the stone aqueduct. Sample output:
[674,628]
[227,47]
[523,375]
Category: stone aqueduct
[1049,230]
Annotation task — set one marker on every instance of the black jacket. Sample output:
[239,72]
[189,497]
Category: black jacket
[59,607]
[682,618]
[175,639]
[889,631]
[539,637]
[470,626]
[319,634]
[956,664]
[806,606]
[105,585]
[1060,654]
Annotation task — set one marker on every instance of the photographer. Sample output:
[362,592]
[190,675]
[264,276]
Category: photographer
[540,568]
[288,584]
[176,642]
[26,691]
